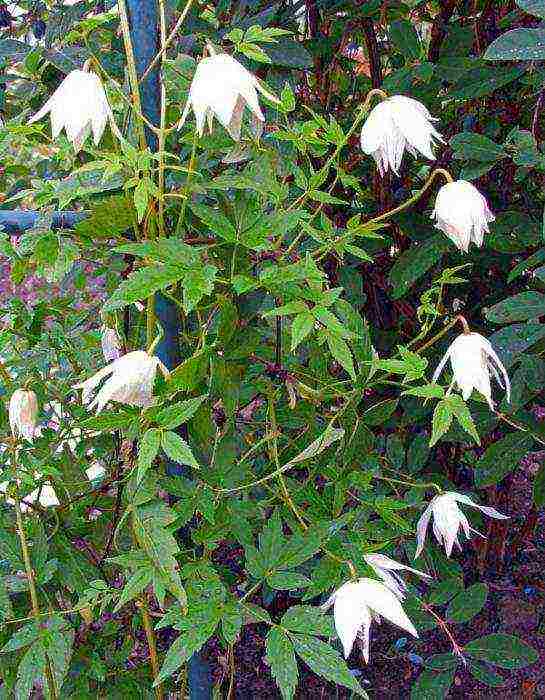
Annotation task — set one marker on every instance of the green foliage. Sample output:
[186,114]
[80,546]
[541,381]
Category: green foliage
[302,305]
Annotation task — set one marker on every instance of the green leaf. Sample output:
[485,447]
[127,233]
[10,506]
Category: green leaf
[415,262]
[142,284]
[518,45]
[301,326]
[442,419]
[403,35]
[428,391]
[271,541]
[287,581]
[307,619]
[110,217]
[469,145]
[459,409]
[467,603]
[513,340]
[22,638]
[109,420]
[183,648]
[539,487]
[341,352]
[380,412]
[31,669]
[215,221]
[6,610]
[484,675]
[147,452]
[521,307]
[502,650]
[326,662]
[59,648]
[191,372]
[432,685]
[171,417]
[197,284]
[178,450]
[134,586]
[533,7]
[281,659]
[501,457]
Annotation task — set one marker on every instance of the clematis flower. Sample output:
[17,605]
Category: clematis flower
[395,124]
[47,494]
[79,105]
[447,520]
[356,604]
[111,344]
[222,87]
[130,382]
[472,359]
[95,471]
[462,213]
[23,412]
[387,569]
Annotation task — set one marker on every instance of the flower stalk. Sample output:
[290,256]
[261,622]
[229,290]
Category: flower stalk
[50,679]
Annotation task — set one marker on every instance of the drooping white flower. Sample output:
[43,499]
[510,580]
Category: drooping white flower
[222,87]
[131,381]
[447,520]
[387,569]
[79,105]
[472,359]
[356,604]
[47,494]
[95,471]
[462,213]
[23,412]
[395,124]
[111,344]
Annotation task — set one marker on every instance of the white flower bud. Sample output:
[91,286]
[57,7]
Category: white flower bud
[222,87]
[111,344]
[462,213]
[447,520]
[79,105]
[387,569]
[23,413]
[395,124]
[473,358]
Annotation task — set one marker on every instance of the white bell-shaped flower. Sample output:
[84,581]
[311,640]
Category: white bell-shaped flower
[96,471]
[387,569]
[462,213]
[131,379]
[46,492]
[447,520]
[357,603]
[395,124]
[23,413]
[111,344]
[79,105]
[222,87]
[472,359]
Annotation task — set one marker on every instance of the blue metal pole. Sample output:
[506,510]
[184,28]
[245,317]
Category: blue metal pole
[15,221]
[144,28]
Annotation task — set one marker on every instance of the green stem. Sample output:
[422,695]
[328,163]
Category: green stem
[30,575]
[167,42]
[405,205]
[131,68]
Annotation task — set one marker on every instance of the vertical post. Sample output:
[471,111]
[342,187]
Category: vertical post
[144,28]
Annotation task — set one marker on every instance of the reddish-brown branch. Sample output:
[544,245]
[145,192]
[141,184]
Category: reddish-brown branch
[439,30]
